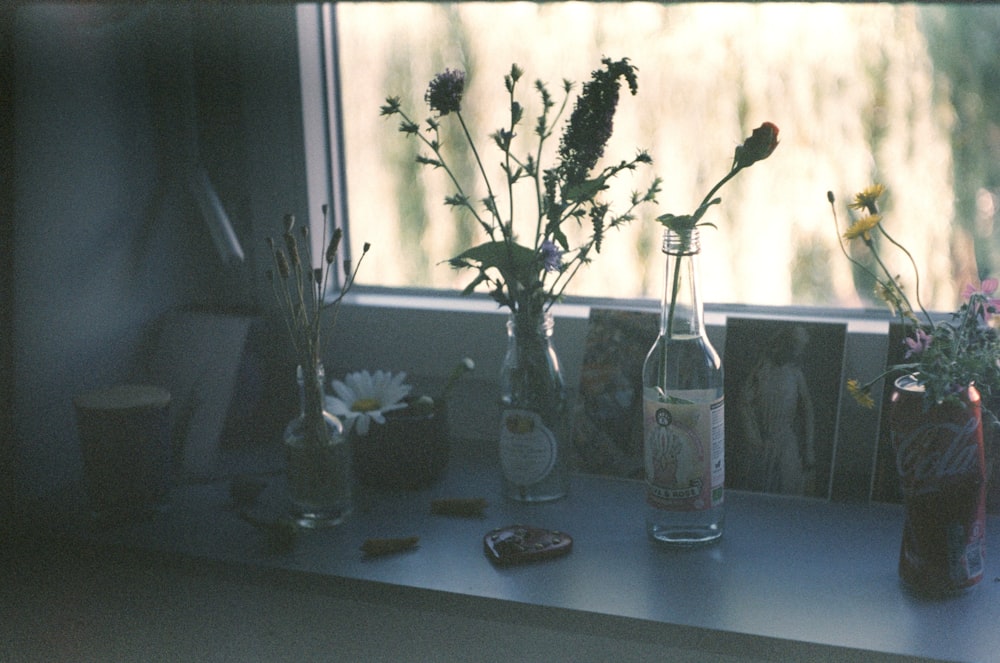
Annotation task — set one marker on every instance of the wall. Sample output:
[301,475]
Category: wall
[6,269]
[113,107]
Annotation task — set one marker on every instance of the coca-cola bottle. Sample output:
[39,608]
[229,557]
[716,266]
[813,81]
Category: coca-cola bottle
[942,471]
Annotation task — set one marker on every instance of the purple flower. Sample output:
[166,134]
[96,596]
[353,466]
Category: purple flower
[589,128]
[551,256]
[916,345]
[444,94]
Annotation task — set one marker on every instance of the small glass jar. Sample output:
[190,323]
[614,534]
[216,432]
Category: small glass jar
[317,458]
[534,411]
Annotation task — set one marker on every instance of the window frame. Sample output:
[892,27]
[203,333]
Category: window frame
[424,331]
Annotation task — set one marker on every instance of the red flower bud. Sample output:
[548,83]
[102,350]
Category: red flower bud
[758,146]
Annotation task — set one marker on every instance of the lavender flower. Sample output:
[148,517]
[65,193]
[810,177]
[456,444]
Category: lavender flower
[444,94]
[551,256]
[592,121]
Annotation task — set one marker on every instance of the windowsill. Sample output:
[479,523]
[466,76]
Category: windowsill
[870,321]
[792,578]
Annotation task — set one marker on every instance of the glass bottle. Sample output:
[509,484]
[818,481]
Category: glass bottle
[317,458]
[684,439]
[533,412]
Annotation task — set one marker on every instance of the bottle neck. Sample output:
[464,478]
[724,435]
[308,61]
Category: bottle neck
[529,344]
[526,325]
[311,390]
[683,315]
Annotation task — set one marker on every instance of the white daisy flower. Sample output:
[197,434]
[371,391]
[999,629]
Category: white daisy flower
[362,398]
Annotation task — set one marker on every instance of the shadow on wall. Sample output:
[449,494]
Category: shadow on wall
[108,236]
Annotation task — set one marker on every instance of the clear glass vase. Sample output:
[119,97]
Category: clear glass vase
[533,419]
[317,458]
[683,410]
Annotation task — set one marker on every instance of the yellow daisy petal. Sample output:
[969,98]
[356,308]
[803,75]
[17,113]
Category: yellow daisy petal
[860,394]
[863,226]
[867,198]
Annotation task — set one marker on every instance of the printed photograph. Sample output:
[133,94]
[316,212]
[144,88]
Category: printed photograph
[607,419]
[782,399]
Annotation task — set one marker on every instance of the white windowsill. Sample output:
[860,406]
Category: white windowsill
[791,579]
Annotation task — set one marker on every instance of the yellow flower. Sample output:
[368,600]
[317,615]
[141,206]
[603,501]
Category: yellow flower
[888,295]
[861,394]
[863,226]
[867,198]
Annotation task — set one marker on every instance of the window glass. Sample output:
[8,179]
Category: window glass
[905,95]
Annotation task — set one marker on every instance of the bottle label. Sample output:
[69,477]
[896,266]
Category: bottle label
[684,454]
[527,447]
[932,454]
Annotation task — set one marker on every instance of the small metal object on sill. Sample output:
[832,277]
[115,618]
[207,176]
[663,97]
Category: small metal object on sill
[517,544]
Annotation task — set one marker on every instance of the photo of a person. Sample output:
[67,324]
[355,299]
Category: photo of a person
[776,415]
[781,404]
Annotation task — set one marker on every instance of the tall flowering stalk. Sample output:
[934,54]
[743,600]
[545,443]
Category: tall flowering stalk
[527,273]
[946,356]
[300,289]
[758,146]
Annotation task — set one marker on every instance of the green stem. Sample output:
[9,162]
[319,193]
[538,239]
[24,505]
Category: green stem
[675,287]
[708,197]
[916,273]
[434,147]
[505,231]
[843,249]
[542,136]
[890,280]
[562,282]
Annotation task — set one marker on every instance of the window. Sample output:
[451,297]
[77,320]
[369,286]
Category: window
[900,94]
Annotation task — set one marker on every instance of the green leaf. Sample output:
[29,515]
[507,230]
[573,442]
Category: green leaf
[677,223]
[511,260]
[700,212]
[499,255]
[585,190]
[472,286]
[559,237]
[516,113]
[391,106]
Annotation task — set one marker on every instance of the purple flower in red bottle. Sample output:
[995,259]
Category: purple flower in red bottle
[917,343]
[981,298]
